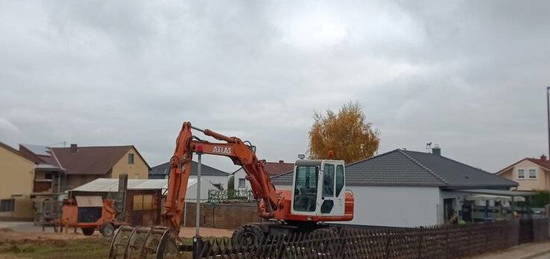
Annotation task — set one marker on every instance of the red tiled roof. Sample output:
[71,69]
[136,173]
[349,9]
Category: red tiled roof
[277,168]
[90,160]
[544,163]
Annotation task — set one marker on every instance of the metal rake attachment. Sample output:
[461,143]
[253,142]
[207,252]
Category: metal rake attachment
[143,242]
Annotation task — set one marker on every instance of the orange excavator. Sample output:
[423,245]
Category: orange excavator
[318,195]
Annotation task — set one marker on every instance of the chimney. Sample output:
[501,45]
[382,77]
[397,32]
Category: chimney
[74,148]
[543,158]
[436,150]
[281,161]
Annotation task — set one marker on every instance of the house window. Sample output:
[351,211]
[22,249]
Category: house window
[7,205]
[521,174]
[143,202]
[532,173]
[131,159]
[242,183]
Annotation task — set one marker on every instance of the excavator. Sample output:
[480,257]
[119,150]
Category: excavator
[318,196]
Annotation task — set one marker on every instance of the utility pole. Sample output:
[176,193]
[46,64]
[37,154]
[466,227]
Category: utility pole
[548,121]
[548,114]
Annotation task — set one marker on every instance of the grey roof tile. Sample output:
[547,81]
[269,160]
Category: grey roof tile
[411,168]
[163,169]
[457,174]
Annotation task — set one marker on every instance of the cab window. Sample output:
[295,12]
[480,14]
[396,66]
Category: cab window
[328,180]
[339,179]
[305,190]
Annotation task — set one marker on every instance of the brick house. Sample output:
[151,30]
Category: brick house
[531,174]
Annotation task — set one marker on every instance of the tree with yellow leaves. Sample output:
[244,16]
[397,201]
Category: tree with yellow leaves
[346,134]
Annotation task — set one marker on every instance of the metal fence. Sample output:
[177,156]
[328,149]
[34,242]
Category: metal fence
[348,242]
[219,196]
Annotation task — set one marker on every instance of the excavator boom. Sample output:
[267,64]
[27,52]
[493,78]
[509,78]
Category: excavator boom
[241,153]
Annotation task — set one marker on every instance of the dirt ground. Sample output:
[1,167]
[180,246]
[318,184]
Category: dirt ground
[26,230]
[24,240]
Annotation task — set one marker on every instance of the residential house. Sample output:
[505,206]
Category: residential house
[404,188]
[56,169]
[16,185]
[81,165]
[84,164]
[49,175]
[212,179]
[531,174]
[272,168]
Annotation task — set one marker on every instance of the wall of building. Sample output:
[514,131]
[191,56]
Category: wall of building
[395,206]
[240,175]
[76,180]
[206,185]
[137,170]
[542,182]
[224,215]
[17,182]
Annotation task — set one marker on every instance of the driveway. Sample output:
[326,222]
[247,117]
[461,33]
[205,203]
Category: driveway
[526,251]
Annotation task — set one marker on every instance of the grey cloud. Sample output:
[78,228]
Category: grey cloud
[468,75]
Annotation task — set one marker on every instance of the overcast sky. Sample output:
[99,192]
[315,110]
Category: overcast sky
[468,75]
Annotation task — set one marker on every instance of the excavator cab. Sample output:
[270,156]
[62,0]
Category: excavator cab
[318,189]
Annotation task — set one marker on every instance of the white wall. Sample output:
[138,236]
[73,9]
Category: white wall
[206,185]
[241,174]
[395,206]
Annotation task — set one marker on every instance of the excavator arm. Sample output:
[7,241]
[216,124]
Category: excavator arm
[139,242]
[241,153]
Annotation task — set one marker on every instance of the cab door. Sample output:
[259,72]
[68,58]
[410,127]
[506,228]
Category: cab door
[332,194]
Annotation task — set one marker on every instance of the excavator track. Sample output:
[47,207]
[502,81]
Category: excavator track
[143,242]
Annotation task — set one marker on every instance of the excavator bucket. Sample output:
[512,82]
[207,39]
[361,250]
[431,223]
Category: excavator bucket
[143,242]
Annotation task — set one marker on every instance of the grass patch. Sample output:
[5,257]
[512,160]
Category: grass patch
[88,248]
[59,249]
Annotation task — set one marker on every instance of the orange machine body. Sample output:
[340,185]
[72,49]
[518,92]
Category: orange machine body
[70,217]
[284,212]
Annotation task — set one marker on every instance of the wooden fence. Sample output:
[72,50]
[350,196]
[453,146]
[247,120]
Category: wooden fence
[348,242]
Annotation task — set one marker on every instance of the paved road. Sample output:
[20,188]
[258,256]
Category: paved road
[22,226]
[544,256]
[525,251]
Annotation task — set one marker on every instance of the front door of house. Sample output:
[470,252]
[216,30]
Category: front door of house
[448,209]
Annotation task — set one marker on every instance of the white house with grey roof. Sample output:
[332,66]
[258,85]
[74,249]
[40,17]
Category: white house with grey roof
[211,178]
[404,188]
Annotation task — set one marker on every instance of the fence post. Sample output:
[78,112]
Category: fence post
[388,242]
[198,244]
[420,239]
[447,242]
